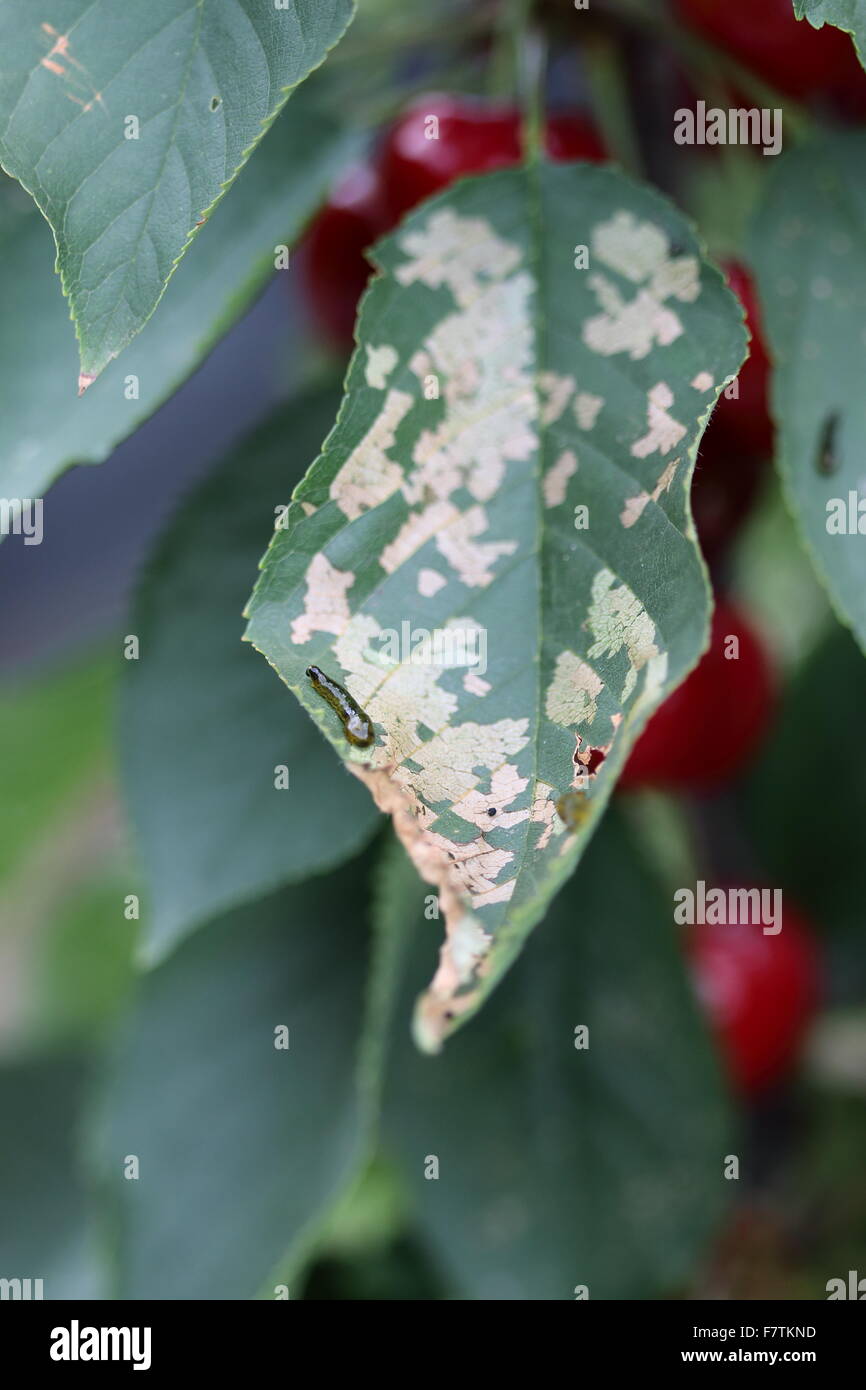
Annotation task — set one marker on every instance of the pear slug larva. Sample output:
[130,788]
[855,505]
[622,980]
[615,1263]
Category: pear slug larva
[356,726]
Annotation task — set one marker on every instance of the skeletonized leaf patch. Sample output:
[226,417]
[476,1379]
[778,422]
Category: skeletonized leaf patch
[493,554]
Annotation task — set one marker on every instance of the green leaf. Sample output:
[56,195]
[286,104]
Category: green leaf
[776,581]
[53,744]
[807,247]
[82,970]
[561,1165]
[46,1214]
[206,726]
[242,1146]
[63,879]
[849,15]
[43,427]
[126,124]
[454,515]
[812,844]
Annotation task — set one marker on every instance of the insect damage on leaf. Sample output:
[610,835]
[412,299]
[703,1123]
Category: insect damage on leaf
[381,362]
[618,621]
[61,61]
[642,254]
[433,559]
[634,507]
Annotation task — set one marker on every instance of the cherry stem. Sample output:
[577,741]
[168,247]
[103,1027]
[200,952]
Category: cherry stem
[533,67]
[611,106]
[502,70]
[518,67]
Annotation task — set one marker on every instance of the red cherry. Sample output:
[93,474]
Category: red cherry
[573,135]
[745,420]
[760,993]
[787,52]
[738,440]
[471,137]
[726,482]
[710,726]
[335,270]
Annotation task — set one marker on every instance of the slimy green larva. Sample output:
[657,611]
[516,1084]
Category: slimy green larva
[356,726]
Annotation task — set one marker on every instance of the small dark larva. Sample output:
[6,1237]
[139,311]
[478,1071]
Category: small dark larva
[573,808]
[356,726]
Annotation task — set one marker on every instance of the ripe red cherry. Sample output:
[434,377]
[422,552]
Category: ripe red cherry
[473,138]
[335,270]
[745,420]
[726,481]
[738,440]
[710,726]
[787,52]
[572,135]
[760,993]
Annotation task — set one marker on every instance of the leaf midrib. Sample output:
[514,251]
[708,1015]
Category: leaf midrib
[170,144]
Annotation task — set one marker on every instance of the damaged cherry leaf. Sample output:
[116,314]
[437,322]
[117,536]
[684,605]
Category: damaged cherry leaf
[849,15]
[127,123]
[494,553]
[807,247]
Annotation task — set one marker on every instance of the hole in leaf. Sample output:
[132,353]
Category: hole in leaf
[215,103]
[595,760]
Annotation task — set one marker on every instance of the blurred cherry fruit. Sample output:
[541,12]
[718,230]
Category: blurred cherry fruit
[760,992]
[440,138]
[335,269]
[706,731]
[745,418]
[786,52]
[726,482]
[738,440]
[572,135]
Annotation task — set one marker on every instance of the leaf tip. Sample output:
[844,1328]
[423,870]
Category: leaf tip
[427,1031]
[85,379]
